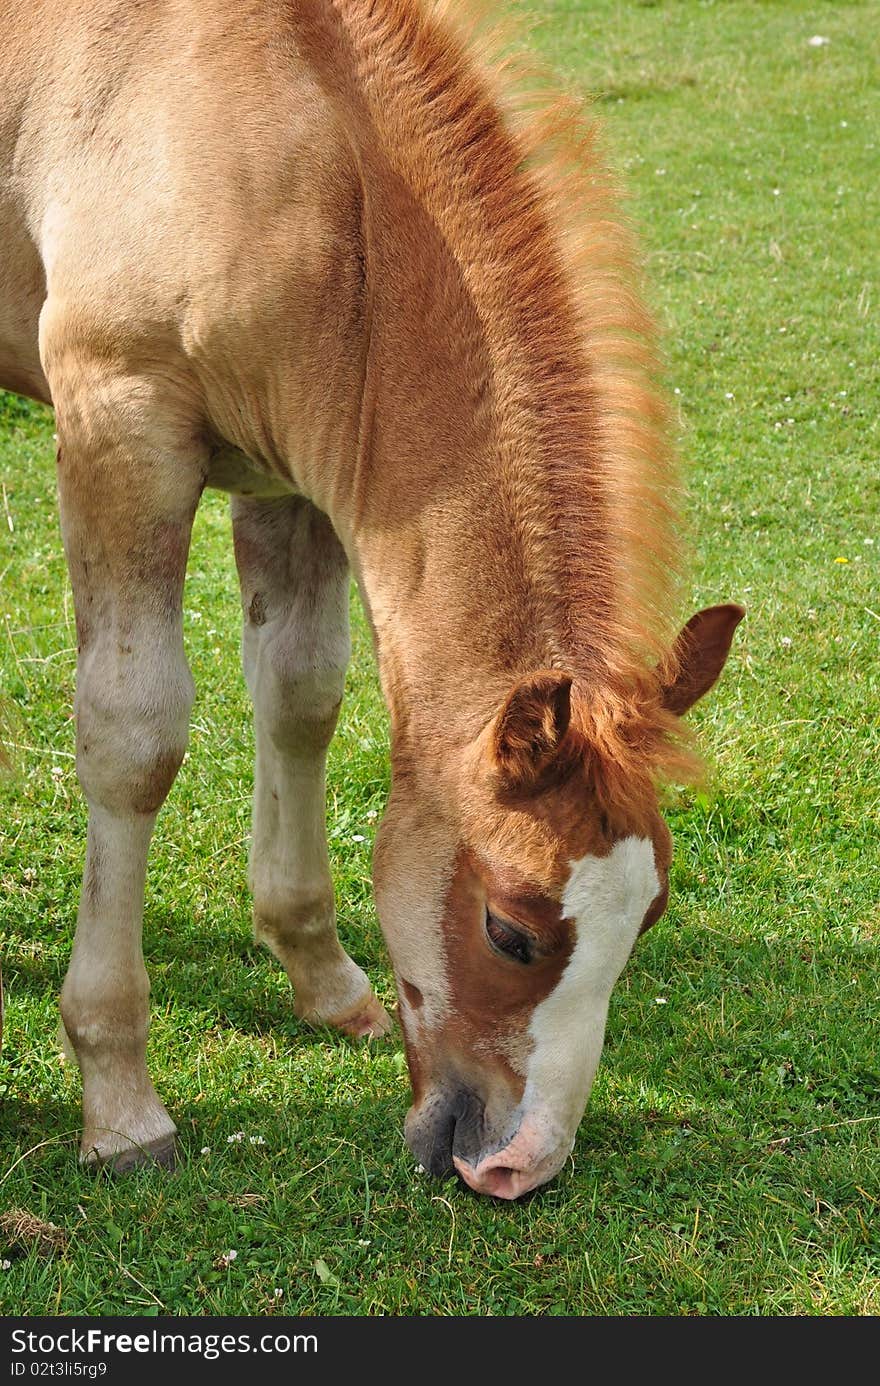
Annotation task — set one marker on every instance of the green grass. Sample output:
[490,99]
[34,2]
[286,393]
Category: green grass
[729,1162]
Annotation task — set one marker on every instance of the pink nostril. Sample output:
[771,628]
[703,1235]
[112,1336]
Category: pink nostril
[498,1182]
[503,1183]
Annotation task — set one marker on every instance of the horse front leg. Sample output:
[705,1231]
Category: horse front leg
[294,583]
[129,483]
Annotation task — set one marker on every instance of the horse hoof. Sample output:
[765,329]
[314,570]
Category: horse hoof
[370,1021]
[161,1152]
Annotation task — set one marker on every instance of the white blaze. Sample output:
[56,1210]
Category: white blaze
[607,898]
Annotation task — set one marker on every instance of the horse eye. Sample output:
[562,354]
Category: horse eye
[508,940]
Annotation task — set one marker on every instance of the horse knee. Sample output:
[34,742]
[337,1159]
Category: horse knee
[298,706]
[132,730]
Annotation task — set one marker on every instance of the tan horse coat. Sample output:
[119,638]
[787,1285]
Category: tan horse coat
[302,251]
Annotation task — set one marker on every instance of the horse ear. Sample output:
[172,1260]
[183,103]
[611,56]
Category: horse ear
[699,654]
[528,731]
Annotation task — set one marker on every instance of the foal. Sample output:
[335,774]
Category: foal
[314,253]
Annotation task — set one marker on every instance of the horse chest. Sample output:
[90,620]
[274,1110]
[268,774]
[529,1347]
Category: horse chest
[231,470]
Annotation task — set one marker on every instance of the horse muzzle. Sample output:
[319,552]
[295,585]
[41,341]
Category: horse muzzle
[448,1132]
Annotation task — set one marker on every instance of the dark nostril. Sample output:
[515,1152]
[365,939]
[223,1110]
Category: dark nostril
[413,995]
[437,1149]
[446,1122]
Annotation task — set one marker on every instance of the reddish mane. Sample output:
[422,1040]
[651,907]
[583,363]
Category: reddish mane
[518,190]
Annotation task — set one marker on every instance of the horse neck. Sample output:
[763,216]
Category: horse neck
[488,511]
[452,529]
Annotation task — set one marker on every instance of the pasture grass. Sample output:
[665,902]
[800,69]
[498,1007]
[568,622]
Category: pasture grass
[729,1159]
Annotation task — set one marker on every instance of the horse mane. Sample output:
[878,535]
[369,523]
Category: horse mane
[512,173]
